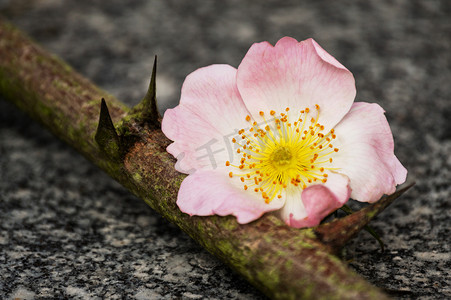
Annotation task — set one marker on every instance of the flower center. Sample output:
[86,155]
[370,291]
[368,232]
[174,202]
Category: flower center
[277,154]
[281,157]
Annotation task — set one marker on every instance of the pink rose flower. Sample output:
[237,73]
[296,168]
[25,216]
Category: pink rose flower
[280,133]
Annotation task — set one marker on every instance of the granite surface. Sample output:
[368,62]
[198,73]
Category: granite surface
[67,230]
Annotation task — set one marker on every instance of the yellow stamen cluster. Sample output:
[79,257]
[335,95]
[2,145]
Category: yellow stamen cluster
[278,154]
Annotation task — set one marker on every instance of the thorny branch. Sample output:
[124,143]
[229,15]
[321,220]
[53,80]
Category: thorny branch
[283,262]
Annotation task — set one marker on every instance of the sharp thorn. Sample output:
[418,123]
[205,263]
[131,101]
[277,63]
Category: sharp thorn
[337,233]
[151,96]
[106,135]
[147,111]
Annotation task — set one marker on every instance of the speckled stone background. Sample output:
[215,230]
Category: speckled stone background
[69,231]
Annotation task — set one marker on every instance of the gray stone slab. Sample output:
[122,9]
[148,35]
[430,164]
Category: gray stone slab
[69,231]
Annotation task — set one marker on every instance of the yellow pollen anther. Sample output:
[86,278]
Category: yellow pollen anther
[281,153]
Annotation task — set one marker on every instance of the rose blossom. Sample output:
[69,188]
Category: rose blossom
[283,134]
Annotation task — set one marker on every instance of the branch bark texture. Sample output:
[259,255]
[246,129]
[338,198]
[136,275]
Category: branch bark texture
[283,262]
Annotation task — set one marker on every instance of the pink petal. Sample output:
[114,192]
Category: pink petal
[210,112]
[293,209]
[366,153]
[207,192]
[320,200]
[295,75]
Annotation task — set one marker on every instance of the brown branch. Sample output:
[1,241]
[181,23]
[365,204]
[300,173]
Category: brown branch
[283,262]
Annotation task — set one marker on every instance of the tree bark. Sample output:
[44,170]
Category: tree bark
[283,262]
